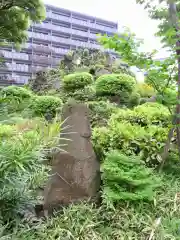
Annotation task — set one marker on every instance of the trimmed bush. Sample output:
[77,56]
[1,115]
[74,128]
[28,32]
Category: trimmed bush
[42,105]
[119,85]
[134,99]
[75,81]
[85,94]
[15,99]
[145,115]
[126,178]
[15,92]
[131,139]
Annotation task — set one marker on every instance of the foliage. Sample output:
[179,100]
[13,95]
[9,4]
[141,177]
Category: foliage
[75,81]
[145,115]
[145,90]
[43,105]
[23,150]
[120,85]
[45,81]
[82,58]
[100,112]
[19,93]
[134,99]
[130,139]
[126,178]
[6,131]
[127,221]
[20,160]
[84,94]
[169,97]
[160,12]
[160,74]
[16,17]
[14,99]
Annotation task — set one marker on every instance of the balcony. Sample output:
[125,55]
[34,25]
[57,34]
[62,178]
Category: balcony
[14,55]
[64,29]
[41,48]
[35,69]
[20,79]
[16,67]
[61,51]
[44,60]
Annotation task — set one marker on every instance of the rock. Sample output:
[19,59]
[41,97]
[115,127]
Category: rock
[75,171]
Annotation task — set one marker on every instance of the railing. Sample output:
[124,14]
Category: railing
[81,22]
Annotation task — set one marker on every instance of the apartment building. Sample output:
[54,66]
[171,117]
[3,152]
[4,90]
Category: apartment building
[63,30]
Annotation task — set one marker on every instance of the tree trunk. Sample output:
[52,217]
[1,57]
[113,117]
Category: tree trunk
[173,17]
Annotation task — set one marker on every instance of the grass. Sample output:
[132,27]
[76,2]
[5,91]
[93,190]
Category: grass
[125,222]
[158,220]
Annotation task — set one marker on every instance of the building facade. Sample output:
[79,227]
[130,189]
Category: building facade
[63,30]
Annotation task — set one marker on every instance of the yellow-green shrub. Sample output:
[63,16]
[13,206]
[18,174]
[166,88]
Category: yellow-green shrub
[120,85]
[42,105]
[145,90]
[144,115]
[75,81]
[131,140]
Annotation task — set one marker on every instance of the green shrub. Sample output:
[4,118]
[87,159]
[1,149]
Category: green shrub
[45,81]
[6,131]
[134,99]
[145,115]
[101,112]
[21,159]
[15,92]
[22,168]
[169,97]
[85,94]
[119,85]
[42,105]
[145,90]
[75,81]
[15,99]
[131,139]
[126,178]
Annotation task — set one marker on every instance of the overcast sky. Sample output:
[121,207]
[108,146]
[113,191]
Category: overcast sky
[125,12]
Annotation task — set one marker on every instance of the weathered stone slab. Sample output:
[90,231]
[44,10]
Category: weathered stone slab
[75,171]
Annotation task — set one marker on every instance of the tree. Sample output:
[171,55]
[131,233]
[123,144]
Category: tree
[168,13]
[160,12]
[128,46]
[92,60]
[16,17]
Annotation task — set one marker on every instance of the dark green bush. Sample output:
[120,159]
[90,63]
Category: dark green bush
[42,105]
[76,81]
[134,99]
[145,115]
[126,178]
[119,85]
[101,112]
[131,139]
[45,81]
[85,94]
